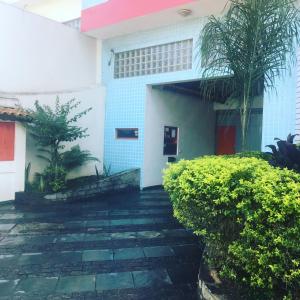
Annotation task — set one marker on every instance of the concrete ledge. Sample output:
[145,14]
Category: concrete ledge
[123,181]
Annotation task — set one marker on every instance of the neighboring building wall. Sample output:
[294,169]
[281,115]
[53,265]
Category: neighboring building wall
[195,120]
[41,59]
[94,121]
[12,172]
[40,56]
[126,98]
[58,10]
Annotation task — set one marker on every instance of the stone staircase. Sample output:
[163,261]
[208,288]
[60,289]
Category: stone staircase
[125,246]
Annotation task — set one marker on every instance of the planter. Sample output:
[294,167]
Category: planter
[209,285]
[120,182]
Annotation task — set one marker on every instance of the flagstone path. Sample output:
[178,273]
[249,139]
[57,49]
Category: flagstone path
[127,246]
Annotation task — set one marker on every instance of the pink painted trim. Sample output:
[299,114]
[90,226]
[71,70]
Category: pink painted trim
[115,11]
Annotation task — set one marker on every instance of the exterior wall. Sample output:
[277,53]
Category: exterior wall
[58,10]
[94,121]
[279,117]
[12,172]
[126,98]
[297,123]
[195,120]
[254,134]
[41,56]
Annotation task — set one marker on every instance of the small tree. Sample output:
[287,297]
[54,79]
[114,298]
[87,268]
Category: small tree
[254,43]
[52,129]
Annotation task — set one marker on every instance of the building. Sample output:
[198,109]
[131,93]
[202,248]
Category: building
[137,64]
[13,150]
[40,60]
[155,111]
[63,11]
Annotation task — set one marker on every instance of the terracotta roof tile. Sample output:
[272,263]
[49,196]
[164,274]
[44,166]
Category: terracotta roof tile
[17,112]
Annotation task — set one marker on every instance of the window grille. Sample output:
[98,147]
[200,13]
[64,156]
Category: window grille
[164,58]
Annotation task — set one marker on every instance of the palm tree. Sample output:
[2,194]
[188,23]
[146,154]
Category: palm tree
[254,43]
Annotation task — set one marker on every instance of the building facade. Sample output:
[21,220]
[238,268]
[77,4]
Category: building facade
[138,65]
[151,69]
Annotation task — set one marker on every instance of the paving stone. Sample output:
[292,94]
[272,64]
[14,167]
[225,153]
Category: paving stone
[10,216]
[188,250]
[6,227]
[42,285]
[123,235]
[121,222]
[68,256]
[176,232]
[75,224]
[8,260]
[153,278]
[120,213]
[70,238]
[97,255]
[113,281]
[31,259]
[158,251]
[97,237]
[155,203]
[128,253]
[10,241]
[144,221]
[55,241]
[149,234]
[7,287]
[97,223]
[73,284]
[42,240]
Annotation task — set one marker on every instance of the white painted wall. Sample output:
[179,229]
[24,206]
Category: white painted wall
[12,172]
[196,122]
[94,121]
[39,55]
[58,10]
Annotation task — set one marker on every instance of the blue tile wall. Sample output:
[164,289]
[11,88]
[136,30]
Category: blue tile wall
[125,99]
[279,117]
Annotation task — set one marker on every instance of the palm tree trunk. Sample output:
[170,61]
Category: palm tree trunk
[245,112]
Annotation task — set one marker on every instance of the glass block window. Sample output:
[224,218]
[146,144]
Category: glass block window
[164,58]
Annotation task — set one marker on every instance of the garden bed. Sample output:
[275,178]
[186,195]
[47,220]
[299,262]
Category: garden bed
[123,181]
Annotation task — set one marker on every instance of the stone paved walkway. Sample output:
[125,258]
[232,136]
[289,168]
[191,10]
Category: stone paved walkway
[124,247]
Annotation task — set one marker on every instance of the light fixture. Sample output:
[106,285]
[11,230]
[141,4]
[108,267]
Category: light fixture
[184,12]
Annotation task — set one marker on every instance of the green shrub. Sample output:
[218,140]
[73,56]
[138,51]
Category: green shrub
[249,215]
[54,178]
[256,154]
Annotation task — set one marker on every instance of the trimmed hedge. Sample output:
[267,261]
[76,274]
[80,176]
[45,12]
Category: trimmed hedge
[249,215]
[256,154]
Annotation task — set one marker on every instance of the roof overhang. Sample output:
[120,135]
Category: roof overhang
[14,114]
[115,18]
